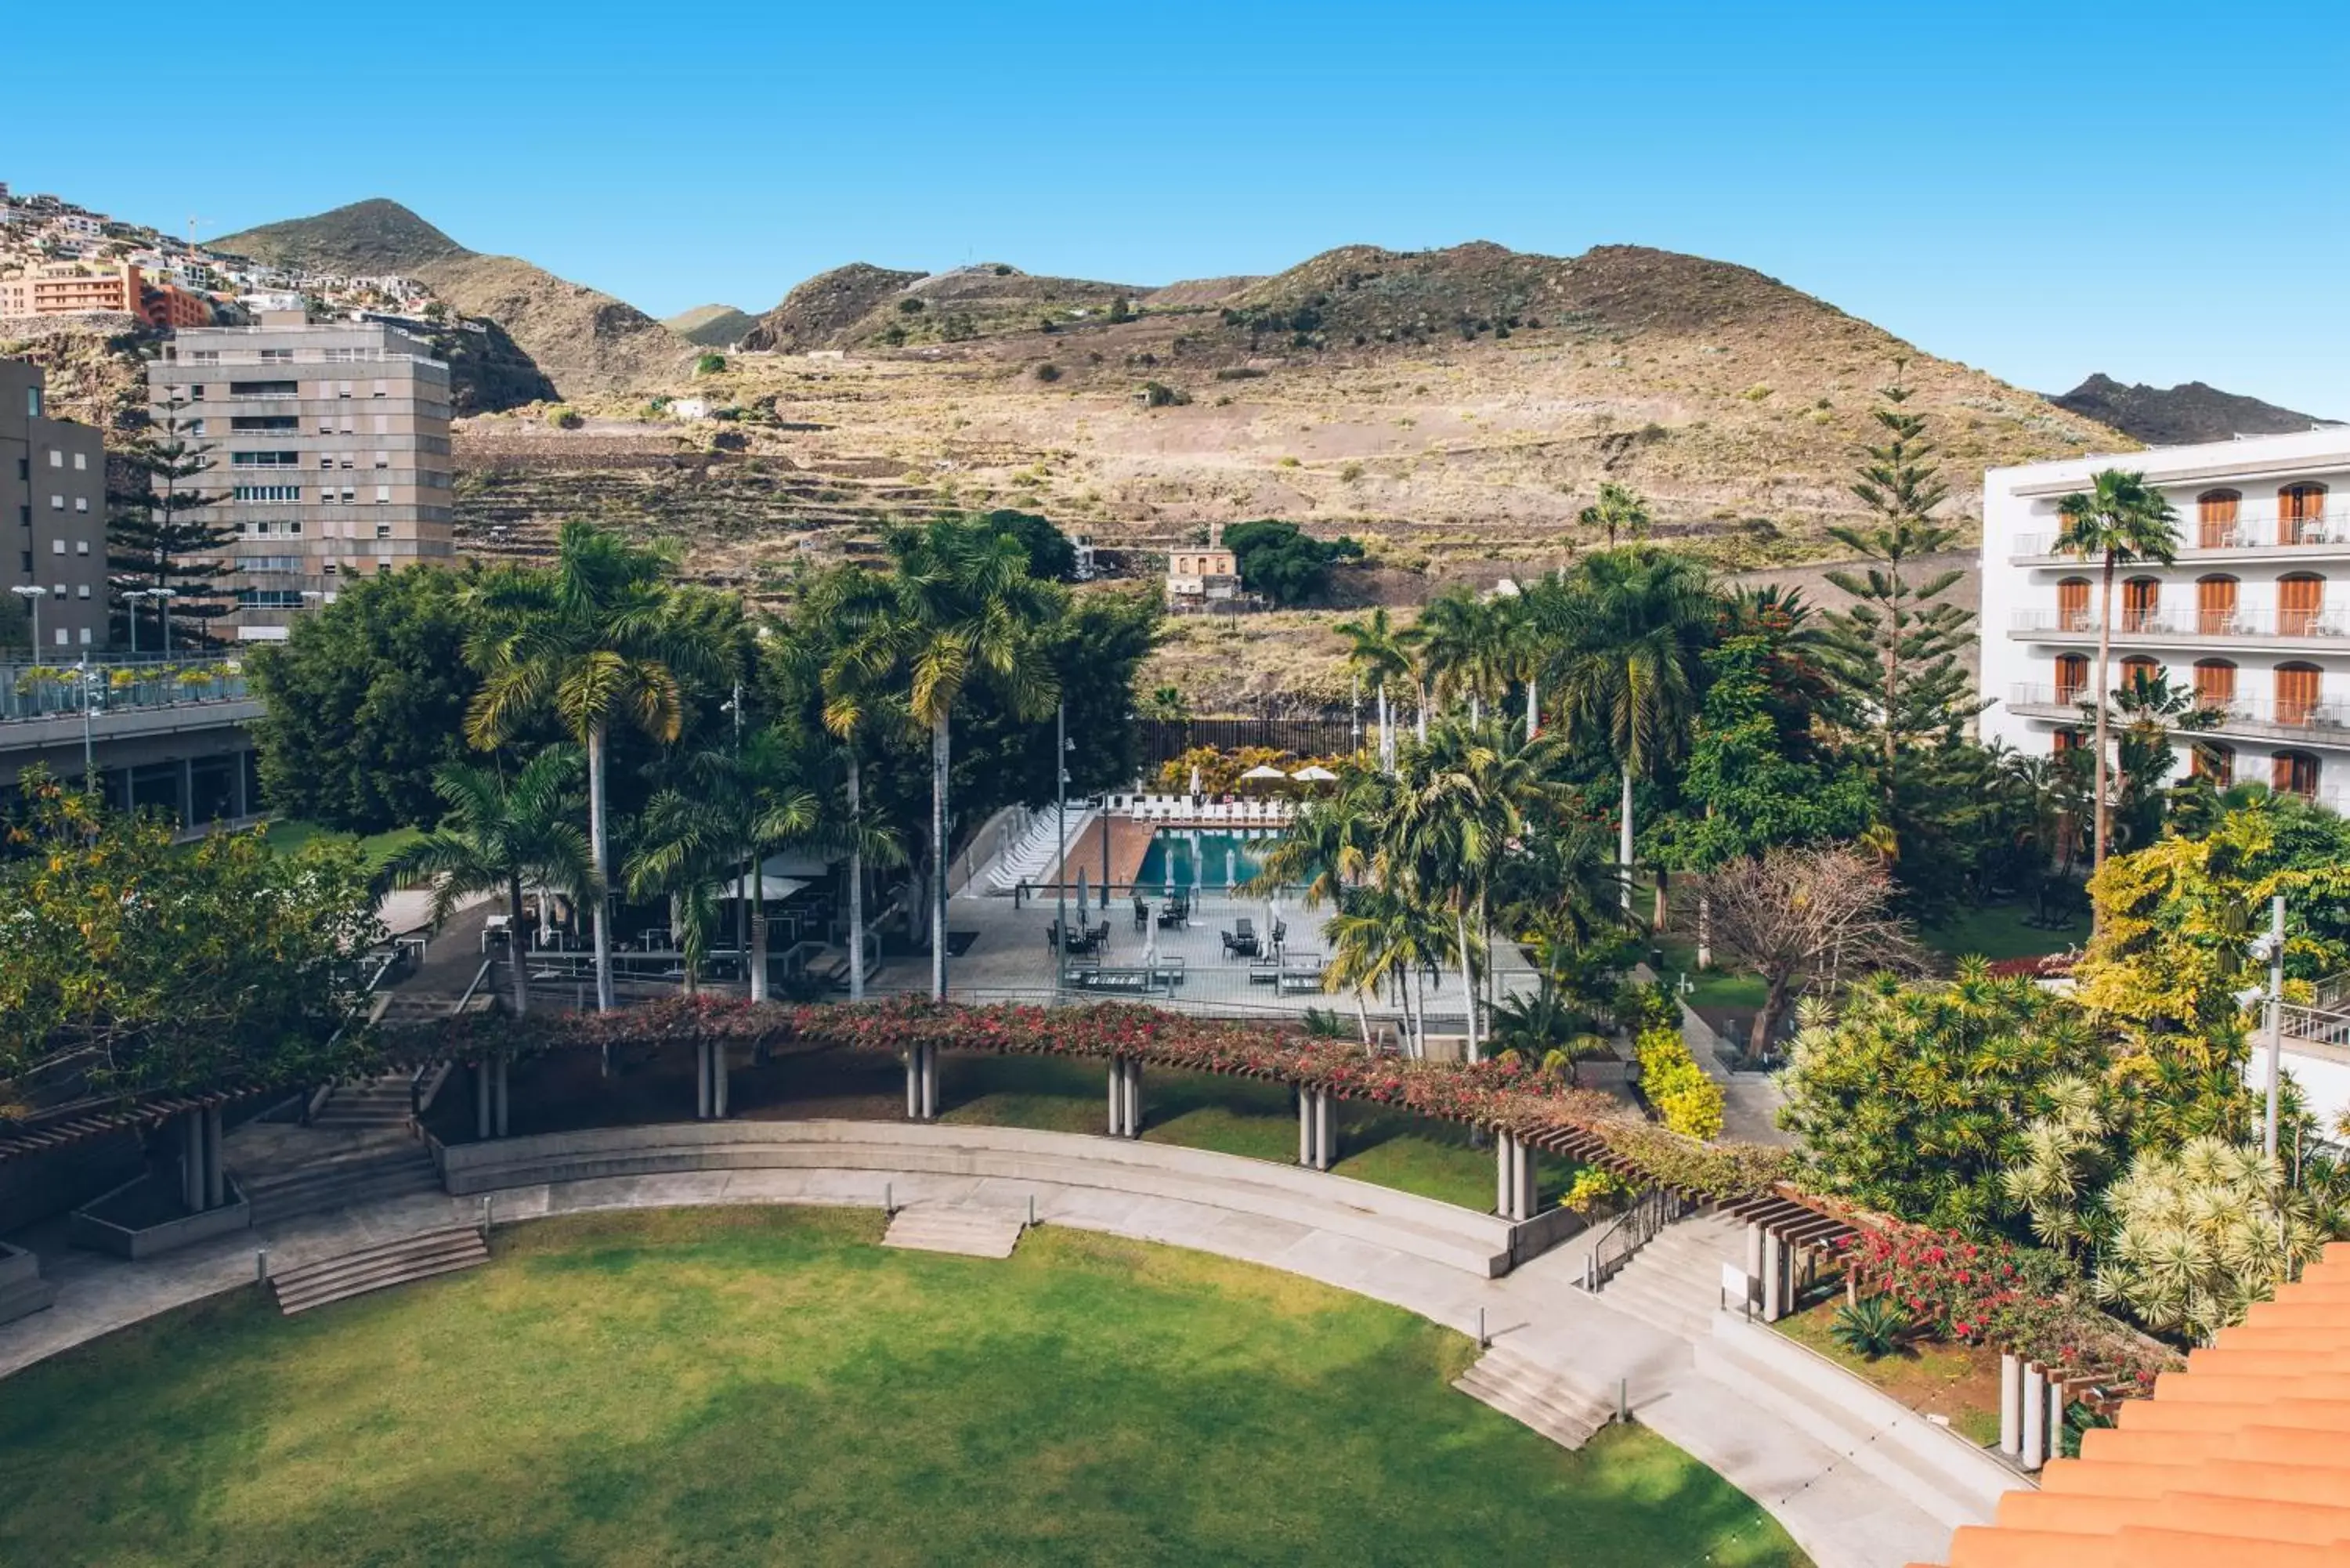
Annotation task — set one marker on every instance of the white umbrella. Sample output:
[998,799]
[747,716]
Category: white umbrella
[1265,771]
[1314,772]
[1195,778]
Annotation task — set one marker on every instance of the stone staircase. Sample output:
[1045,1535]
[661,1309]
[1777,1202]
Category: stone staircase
[369,1102]
[396,1172]
[1536,1396]
[1675,1282]
[967,1229]
[376,1267]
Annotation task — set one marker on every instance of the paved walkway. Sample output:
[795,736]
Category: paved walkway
[1844,1518]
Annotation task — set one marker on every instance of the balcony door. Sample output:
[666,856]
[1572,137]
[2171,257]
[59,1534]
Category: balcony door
[2136,670]
[2294,773]
[2301,597]
[2299,509]
[2141,603]
[2213,760]
[2296,693]
[2215,683]
[2215,518]
[2215,606]
[2073,605]
[2071,677]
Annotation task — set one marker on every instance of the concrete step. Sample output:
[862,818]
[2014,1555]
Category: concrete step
[340,1183]
[1536,1396]
[966,1229]
[376,1267]
[21,1298]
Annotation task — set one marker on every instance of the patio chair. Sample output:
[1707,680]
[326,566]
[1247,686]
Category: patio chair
[1231,944]
[1141,916]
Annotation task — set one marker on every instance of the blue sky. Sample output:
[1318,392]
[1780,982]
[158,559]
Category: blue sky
[2154,191]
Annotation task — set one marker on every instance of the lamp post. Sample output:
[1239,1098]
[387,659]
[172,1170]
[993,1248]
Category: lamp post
[33,597]
[163,598]
[82,674]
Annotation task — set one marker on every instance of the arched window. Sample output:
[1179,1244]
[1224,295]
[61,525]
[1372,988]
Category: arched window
[2134,670]
[2294,773]
[2215,518]
[2215,605]
[2064,740]
[2073,605]
[2072,676]
[2296,693]
[2213,760]
[2215,681]
[2301,508]
[2141,604]
[2301,600]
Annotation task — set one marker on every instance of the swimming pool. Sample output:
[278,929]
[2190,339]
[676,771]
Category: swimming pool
[1185,858]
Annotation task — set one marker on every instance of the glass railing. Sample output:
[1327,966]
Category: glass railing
[2292,713]
[2332,527]
[50,690]
[2325,620]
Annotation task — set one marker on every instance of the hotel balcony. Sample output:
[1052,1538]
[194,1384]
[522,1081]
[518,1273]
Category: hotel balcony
[2318,723]
[2244,540]
[2324,630]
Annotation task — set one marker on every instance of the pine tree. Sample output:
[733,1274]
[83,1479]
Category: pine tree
[1896,653]
[157,535]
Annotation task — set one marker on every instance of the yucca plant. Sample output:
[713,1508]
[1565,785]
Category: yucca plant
[2202,1233]
[1871,1328]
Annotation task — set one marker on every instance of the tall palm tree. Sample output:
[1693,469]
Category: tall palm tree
[1618,510]
[601,639]
[2118,518]
[1379,649]
[499,832]
[743,801]
[1378,939]
[1464,649]
[1627,632]
[962,606]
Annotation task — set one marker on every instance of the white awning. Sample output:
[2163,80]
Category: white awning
[777,888]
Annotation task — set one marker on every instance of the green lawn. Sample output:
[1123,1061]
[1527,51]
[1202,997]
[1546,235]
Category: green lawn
[286,837]
[1715,988]
[1998,931]
[763,1386]
[1230,1116]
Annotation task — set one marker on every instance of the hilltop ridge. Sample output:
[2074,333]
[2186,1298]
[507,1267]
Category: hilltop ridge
[2180,415]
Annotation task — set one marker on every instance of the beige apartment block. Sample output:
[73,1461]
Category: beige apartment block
[53,506]
[328,444]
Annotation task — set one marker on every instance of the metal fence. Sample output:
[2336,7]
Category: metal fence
[1325,735]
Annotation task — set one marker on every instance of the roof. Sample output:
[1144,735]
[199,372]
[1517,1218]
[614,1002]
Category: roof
[2241,1460]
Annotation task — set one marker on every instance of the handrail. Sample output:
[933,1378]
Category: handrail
[1650,1212]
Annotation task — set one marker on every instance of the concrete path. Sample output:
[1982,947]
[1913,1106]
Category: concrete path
[1843,1518]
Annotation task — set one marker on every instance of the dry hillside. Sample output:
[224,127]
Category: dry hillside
[583,341]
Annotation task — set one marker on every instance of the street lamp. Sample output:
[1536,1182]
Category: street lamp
[82,675]
[33,597]
[163,613]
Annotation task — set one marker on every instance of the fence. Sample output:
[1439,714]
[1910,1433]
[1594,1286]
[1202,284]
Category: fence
[1327,736]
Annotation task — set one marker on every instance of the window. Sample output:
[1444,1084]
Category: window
[382,389]
[204,357]
[56,458]
[2296,693]
[2215,518]
[33,401]
[383,530]
[278,356]
[384,460]
[270,492]
[288,423]
[196,394]
[2073,605]
[2213,760]
[81,503]
[196,426]
[2301,511]
[24,468]
[2294,773]
[383,424]
[81,461]
[265,459]
[343,390]
[2071,677]
[350,497]
[382,493]
[2300,601]
[57,546]
[2138,669]
[85,631]
[264,389]
[326,460]
[84,594]
[81,547]
[56,504]
[2141,605]
[2215,606]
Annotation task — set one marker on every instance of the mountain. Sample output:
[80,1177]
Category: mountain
[2182,415]
[581,340]
[862,306]
[711,326]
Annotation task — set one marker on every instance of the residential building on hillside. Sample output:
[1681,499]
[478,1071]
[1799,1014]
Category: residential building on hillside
[330,453]
[1197,577]
[53,508]
[2254,615]
[69,288]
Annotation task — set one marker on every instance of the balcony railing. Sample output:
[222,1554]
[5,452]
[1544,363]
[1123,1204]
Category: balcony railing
[2295,714]
[2325,528]
[46,690]
[2327,621]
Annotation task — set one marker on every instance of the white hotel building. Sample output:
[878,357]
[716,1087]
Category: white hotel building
[2254,615]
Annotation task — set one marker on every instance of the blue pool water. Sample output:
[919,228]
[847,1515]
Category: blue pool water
[1224,860]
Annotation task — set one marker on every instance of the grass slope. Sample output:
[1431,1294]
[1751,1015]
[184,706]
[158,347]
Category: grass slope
[760,1387]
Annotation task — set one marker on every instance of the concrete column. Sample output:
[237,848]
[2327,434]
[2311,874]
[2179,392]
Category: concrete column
[192,1162]
[2035,1417]
[1501,1191]
[718,1079]
[1117,1096]
[1754,1250]
[1325,1131]
[2056,1417]
[930,1083]
[2011,1404]
[1133,1097]
[1774,1275]
[216,1162]
[498,1118]
[913,1083]
[1529,1166]
[484,1096]
[701,1081]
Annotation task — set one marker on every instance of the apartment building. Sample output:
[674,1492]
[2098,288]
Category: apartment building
[2254,615]
[72,290]
[52,507]
[329,451]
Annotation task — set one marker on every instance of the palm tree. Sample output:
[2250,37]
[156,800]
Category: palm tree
[960,605]
[1627,631]
[498,834]
[600,637]
[1618,510]
[742,801]
[1379,649]
[1464,649]
[2119,518]
[1378,939]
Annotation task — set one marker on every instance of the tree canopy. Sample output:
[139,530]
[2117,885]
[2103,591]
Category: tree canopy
[1285,563]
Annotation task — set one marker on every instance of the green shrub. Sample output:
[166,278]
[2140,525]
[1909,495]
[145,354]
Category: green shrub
[710,364]
[1160,395]
[1871,1329]
[1593,1188]
[910,306]
[1047,371]
[1677,1088]
[563,417]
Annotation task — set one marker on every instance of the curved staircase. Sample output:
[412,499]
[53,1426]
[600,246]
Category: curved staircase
[379,1267]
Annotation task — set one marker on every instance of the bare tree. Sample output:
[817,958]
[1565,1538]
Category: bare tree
[1794,917]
